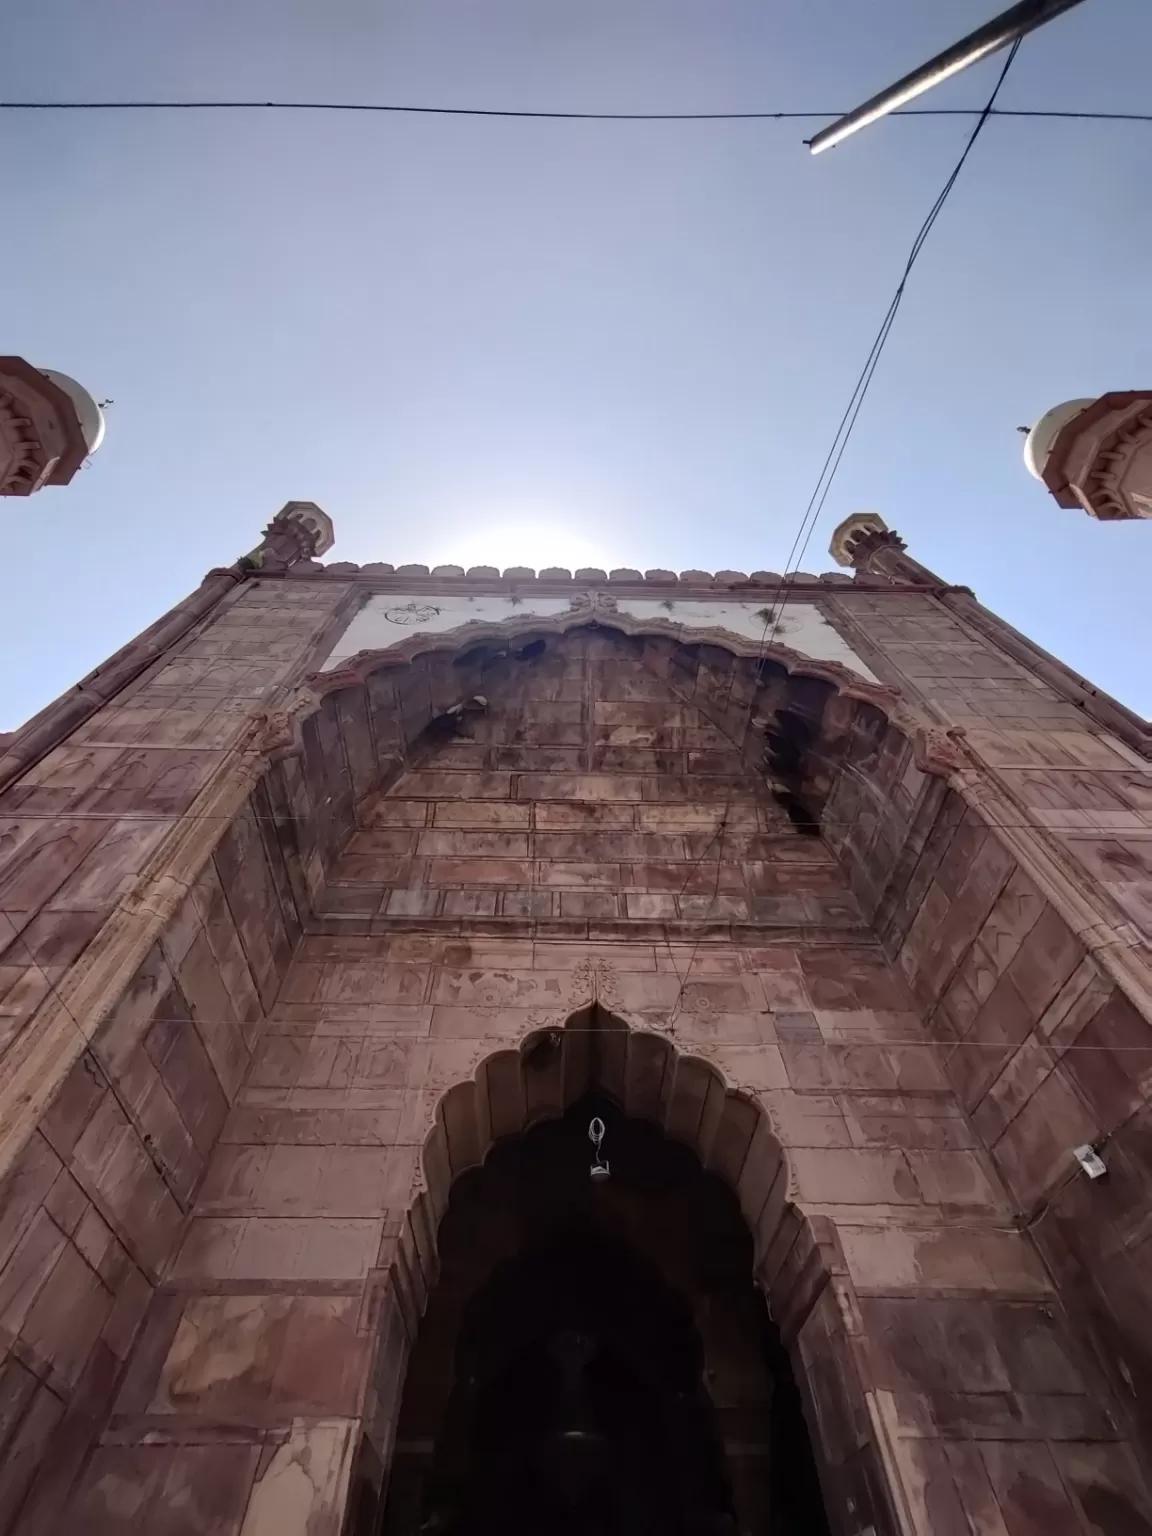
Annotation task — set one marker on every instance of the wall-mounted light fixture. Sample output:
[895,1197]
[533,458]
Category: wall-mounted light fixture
[1090,1161]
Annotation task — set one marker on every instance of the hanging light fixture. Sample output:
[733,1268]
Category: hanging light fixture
[599,1169]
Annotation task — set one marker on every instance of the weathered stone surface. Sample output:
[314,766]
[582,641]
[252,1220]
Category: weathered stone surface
[301,1489]
[408,945]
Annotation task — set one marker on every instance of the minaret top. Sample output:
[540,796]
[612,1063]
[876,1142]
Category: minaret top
[300,531]
[846,537]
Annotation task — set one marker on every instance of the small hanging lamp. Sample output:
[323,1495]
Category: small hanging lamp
[599,1170]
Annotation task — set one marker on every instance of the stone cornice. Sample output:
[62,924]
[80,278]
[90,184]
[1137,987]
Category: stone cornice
[687,587]
[479,581]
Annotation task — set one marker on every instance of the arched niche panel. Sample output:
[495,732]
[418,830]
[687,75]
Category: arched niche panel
[648,1077]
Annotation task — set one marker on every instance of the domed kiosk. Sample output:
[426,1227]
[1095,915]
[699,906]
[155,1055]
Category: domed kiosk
[1096,454]
[49,424]
[1040,440]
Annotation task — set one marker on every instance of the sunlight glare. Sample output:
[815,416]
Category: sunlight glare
[537,542]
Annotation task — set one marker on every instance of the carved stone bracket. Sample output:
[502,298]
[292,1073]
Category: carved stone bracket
[939,751]
[275,734]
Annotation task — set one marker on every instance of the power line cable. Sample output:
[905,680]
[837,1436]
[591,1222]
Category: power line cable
[863,383]
[401,109]
[836,452]
[852,411]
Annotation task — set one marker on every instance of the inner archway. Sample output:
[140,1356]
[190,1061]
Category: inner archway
[596,1356]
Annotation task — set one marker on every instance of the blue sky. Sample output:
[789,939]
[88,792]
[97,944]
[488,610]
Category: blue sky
[576,343]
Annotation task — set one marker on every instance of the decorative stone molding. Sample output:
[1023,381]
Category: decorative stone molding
[873,542]
[274,734]
[1119,483]
[593,603]
[939,752]
[357,669]
[1101,460]
[41,439]
[849,541]
[377,621]
[594,981]
[298,532]
[449,576]
[460,1093]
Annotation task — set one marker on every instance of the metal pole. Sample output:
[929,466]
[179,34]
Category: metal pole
[1015,22]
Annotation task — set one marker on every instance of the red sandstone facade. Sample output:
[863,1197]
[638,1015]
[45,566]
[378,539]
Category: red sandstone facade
[287,947]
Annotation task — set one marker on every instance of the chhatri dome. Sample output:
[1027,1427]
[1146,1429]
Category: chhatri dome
[1038,444]
[88,413]
[49,424]
[1096,455]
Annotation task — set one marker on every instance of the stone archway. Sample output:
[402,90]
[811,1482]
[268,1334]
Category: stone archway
[651,1078]
[796,1262]
[596,1354]
[834,752]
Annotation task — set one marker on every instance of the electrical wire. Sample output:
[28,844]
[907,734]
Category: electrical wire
[840,442]
[515,112]
[863,383]
[852,411]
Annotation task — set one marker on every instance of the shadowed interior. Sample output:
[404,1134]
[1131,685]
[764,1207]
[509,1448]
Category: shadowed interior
[596,1356]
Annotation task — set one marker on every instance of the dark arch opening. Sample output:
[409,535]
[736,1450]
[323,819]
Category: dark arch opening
[596,1359]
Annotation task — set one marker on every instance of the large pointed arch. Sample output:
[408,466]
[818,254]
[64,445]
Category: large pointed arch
[500,1091]
[821,735]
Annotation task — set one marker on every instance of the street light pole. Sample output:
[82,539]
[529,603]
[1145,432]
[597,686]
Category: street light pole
[1016,22]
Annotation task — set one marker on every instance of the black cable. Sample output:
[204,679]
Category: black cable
[863,383]
[836,452]
[513,112]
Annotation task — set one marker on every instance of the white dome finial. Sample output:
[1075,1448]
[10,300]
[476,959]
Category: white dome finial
[88,413]
[49,424]
[1039,442]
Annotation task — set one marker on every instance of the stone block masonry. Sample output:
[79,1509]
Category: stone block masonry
[286,953]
